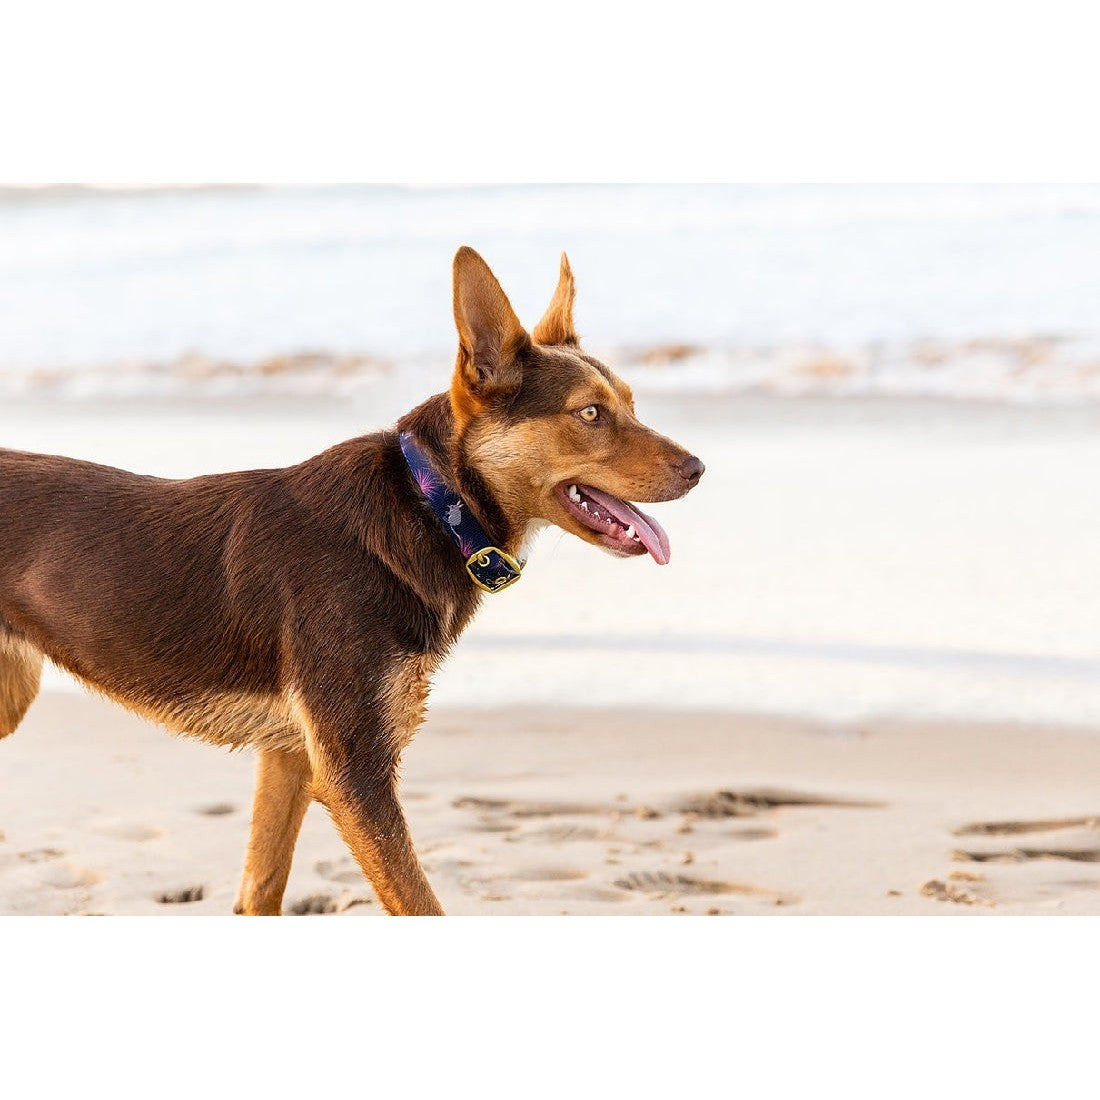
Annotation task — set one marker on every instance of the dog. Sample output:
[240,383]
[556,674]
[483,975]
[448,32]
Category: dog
[303,611]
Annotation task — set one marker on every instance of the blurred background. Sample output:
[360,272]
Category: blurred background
[895,388]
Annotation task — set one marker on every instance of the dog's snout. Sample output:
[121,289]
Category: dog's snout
[691,469]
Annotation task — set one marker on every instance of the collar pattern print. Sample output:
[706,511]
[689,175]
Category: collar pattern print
[491,568]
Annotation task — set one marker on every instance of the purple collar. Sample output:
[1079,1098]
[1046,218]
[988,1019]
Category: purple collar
[490,568]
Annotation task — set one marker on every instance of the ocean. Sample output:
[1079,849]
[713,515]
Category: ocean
[952,291]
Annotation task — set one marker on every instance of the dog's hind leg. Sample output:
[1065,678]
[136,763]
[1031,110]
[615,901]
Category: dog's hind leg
[281,800]
[20,676]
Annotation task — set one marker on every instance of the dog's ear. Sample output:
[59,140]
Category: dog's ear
[556,326]
[490,337]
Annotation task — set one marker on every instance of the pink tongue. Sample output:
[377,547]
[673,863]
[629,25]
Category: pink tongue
[648,529]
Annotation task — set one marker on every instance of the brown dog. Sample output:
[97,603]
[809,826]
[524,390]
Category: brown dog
[303,610]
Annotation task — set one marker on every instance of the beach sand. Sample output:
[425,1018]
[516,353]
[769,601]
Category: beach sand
[520,811]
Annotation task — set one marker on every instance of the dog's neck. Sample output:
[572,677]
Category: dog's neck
[490,567]
[432,424]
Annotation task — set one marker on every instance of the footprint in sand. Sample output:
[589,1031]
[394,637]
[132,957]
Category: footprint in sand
[1085,851]
[521,808]
[506,816]
[40,855]
[182,896]
[68,876]
[953,892]
[1012,828]
[752,801]
[339,870]
[599,893]
[558,834]
[1024,855]
[549,874]
[503,815]
[320,905]
[127,830]
[216,809]
[493,825]
[313,906]
[662,883]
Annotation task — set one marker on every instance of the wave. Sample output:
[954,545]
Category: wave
[934,289]
[1034,369]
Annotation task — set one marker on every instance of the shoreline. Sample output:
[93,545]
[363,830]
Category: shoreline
[721,410]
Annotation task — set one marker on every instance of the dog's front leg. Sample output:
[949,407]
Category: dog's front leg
[372,824]
[354,745]
[281,800]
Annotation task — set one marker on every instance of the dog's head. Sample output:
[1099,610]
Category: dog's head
[550,429]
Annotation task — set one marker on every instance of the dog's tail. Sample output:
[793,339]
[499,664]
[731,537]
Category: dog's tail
[20,677]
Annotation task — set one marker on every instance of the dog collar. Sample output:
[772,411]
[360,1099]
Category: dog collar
[490,568]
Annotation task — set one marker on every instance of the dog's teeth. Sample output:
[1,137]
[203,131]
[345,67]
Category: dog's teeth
[630,532]
[596,513]
[584,505]
[573,494]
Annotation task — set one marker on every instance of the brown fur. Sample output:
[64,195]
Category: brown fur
[302,611]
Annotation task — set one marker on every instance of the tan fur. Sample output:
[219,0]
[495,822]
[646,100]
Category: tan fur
[556,326]
[229,720]
[304,722]
[406,697]
[234,721]
[282,797]
[20,676]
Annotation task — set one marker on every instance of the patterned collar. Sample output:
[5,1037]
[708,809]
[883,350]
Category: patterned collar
[490,568]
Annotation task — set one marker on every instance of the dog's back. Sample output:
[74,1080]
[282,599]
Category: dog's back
[160,593]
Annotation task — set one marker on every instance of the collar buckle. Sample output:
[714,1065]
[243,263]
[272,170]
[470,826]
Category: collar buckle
[493,569]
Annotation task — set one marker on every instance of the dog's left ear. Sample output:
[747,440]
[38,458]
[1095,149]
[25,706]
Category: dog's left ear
[490,337]
[556,326]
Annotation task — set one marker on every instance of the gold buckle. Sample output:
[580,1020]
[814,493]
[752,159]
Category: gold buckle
[481,557]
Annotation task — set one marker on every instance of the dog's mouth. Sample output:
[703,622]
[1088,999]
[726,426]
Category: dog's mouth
[620,525]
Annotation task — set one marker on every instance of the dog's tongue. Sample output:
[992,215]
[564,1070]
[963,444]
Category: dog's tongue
[649,530]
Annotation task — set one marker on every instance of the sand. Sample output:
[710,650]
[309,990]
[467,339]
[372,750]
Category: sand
[579,812]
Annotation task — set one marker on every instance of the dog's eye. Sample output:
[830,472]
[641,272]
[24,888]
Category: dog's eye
[590,414]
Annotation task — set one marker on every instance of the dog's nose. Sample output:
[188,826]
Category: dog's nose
[691,469]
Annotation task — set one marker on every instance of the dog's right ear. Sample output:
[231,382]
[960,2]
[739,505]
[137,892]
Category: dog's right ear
[490,337]
[556,326]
